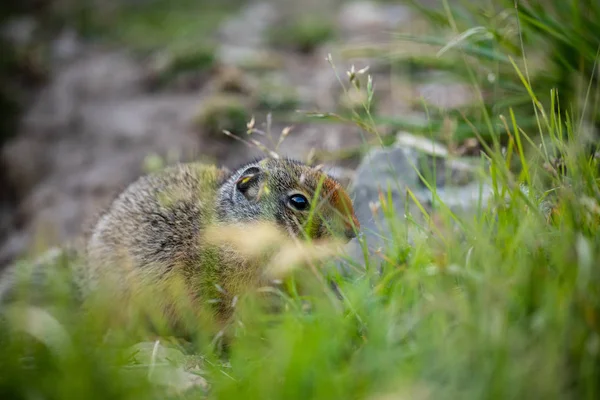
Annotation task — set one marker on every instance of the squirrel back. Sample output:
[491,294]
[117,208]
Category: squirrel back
[155,223]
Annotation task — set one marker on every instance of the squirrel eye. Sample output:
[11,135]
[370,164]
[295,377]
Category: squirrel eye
[299,202]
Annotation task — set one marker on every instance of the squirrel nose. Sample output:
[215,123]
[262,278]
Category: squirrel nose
[350,233]
[352,228]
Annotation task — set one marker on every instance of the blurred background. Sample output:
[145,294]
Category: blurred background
[94,93]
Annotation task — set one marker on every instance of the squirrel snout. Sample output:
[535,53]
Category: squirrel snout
[352,228]
[350,233]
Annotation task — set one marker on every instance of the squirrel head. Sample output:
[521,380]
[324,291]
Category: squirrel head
[301,199]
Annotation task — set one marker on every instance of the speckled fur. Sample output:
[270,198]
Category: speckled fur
[154,229]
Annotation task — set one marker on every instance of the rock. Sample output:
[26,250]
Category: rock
[446,95]
[105,75]
[243,36]
[13,247]
[315,80]
[100,76]
[395,96]
[5,218]
[462,170]
[465,198]
[371,20]
[26,162]
[381,170]
[7,215]
[19,32]
[248,27]
[395,169]
[435,157]
[66,46]
[421,144]
[237,55]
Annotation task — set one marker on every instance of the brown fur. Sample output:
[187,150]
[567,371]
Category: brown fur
[155,231]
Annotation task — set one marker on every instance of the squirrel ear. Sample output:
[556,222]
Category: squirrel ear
[247,183]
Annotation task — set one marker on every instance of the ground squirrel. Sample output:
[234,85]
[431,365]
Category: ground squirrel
[156,227]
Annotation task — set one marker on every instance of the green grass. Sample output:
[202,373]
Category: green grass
[503,302]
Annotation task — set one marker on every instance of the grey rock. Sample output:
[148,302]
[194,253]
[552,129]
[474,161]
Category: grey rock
[248,27]
[370,20]
[465,198]
[242,37]
[421,144]
[230,54]
[382,170]
[99,76]
[106,75]
[446,95]
[66,46]
[434,159]
[393,170]
[26,162]
[462,171]
[13,247]
[19,31]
